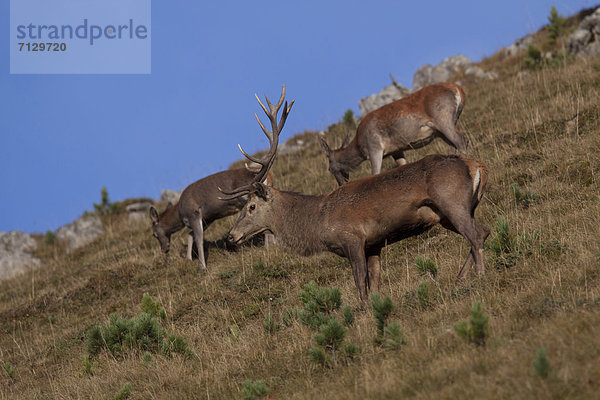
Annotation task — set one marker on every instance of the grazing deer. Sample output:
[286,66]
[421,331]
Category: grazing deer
[198,206]
[358,219]
[409,123]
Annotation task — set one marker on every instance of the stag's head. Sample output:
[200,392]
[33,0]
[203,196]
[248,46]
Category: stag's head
[255,216]
[158,231]
[339,170]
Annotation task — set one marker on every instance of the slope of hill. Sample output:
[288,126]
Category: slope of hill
[539,132]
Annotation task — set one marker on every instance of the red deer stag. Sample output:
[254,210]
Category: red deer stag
[358,219]
[409,123]
[199,206]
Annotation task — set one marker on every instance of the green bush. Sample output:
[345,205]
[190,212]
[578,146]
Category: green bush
[349,119]
[105,206]
[252,390]
[476,329]
[318,303]
[10,369]
[426,267]
[556,27]
[533,59]
[523,198]
[153,308]
[389,336]
[140,333]
[423,295]
[50,237]
[541,366]
[124,393]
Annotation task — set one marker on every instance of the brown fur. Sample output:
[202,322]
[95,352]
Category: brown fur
[358,219]
[408,123]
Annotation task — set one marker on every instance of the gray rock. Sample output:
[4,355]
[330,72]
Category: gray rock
[292,145]
[428,75]
[386,95]
[170,196]
[15,253]
[518,46]
[479,73]
[585,39]
[80,232]
[138,211]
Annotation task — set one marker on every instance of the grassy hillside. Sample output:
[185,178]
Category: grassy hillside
[538,131]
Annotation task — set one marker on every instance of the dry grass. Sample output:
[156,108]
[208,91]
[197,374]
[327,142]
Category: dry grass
[540,130]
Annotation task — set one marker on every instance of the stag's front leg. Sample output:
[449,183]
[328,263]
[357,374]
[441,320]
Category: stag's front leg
[376,156]
[197,228]
[355,252]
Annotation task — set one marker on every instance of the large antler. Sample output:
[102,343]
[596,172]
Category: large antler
[267,161]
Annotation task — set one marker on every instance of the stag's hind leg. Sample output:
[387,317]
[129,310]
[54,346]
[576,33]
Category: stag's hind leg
[355,252]
[463,223]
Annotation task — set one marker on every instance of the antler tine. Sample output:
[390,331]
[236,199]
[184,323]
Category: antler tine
[267,162]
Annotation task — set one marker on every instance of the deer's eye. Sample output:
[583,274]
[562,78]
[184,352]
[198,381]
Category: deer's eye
[252,207]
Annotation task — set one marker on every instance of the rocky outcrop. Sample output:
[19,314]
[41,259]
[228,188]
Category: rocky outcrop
[428,75]
[386,95]
[170,196]
[80,232]
[519,46]
[15,253]
[585,40]
[138,211]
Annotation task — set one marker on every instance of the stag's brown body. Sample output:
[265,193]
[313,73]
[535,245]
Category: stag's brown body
[409,123]
[358,219]
[199,206]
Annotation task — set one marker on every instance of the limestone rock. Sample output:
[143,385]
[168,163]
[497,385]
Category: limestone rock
[518,46]
[80,232]
[170,196]
[386,95]
[428,75]
[15,253]
[585,40]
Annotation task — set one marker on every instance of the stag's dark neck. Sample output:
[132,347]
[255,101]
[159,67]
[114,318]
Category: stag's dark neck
[297,222]
[350,155]
[170,220]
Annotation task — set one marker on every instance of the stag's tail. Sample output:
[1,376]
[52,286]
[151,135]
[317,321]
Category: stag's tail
[479,175]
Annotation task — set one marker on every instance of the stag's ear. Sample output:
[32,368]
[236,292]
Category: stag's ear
[153,215]
[268,179]
[346,140]
[325,146]
[260,190]
[169,205]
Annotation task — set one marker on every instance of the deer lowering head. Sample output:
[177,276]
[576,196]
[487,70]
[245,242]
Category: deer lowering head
[409,123]
[164,225]
[358,219]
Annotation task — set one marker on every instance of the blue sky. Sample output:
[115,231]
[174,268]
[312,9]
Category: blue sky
[63,137]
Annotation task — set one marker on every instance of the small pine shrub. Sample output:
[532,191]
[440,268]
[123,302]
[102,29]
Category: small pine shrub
[349,119]
[10,370]
[476,329]
[153,308]
[423,295]
[426,267]
[106,207]
[50,237]
[389,336]
[318,303]
[556,27]
[140,333]
[87,365]
[507,248]
[533,59]
[146,359]
[124,393]
[329,339]
[541,366]
[348,315]
[393,337]
[252,390]
[523,198]
[382,309]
